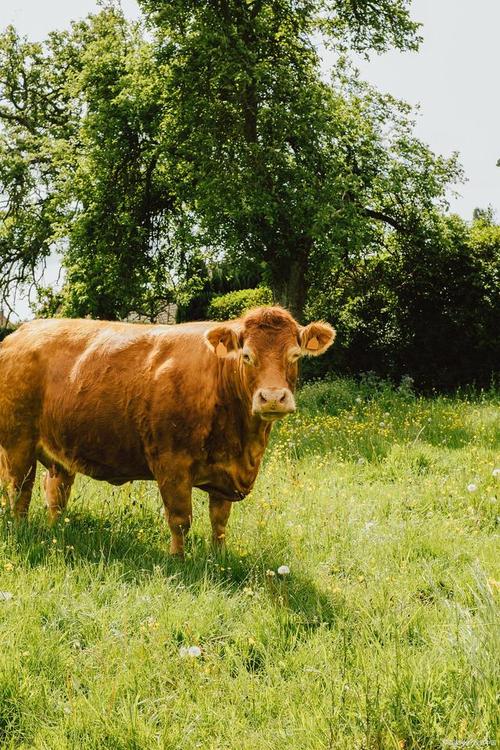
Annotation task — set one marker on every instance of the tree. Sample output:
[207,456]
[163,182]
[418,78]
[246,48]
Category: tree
[279,166]
[35,124]
[82,170]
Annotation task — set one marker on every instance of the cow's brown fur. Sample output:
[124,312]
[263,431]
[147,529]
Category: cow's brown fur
[189,405]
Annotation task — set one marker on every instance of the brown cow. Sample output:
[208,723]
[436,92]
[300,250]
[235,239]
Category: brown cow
[189,406]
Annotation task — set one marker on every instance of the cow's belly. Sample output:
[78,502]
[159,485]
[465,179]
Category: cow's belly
[92,430]
[116,466]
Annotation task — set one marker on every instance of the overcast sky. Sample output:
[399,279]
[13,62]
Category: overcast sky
[453,77]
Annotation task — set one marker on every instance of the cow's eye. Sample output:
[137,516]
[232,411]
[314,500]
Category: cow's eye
[293,357]
[247,358]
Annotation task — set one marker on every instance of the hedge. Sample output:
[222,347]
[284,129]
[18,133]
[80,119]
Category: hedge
[234,304]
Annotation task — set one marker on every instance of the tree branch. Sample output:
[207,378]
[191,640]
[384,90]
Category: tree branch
[381,216]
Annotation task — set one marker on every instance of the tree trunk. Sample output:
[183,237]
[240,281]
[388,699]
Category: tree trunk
[289,285]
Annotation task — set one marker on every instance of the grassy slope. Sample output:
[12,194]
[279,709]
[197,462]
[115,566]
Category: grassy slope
[382,636]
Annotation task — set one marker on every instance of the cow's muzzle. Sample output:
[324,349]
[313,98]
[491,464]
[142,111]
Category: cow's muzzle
[273,403]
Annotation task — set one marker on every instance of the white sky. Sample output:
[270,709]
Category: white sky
[452,77]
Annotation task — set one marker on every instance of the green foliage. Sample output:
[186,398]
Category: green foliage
[214,138]
[428,306]
[381,636]
[49,303]
[118,260]
[34,132]
[214,279]
[283,168]
[234,304]
[82,114]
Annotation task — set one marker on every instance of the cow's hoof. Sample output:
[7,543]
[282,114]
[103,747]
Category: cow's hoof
[219,542]
[177,554]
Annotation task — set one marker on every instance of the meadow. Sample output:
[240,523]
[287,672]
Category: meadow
[383,634]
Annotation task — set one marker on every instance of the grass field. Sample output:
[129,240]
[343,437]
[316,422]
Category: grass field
[384,634]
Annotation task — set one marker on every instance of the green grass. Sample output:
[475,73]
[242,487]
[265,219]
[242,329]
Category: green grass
[383,635]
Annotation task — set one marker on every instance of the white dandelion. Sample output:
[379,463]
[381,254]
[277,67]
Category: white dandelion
[283,570]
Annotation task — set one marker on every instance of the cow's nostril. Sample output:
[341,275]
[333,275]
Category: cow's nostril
[272,403]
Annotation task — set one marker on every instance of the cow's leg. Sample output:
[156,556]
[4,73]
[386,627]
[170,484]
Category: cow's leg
[57,484]
[4,479]
[19,470]
[219,513]
[176,498]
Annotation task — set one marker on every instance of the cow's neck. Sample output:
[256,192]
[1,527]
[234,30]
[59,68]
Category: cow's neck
[238,439]
[237,403]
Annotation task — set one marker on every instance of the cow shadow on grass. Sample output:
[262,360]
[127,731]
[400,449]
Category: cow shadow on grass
[136,555]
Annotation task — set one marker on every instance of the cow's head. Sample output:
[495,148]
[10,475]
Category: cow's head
[265,346]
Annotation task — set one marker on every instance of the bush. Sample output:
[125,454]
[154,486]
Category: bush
[234,304]
[427,307]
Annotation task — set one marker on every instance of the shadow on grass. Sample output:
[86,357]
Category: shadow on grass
[115,548]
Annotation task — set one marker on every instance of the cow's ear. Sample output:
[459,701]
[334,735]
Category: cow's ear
[315,338]
[222,339]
